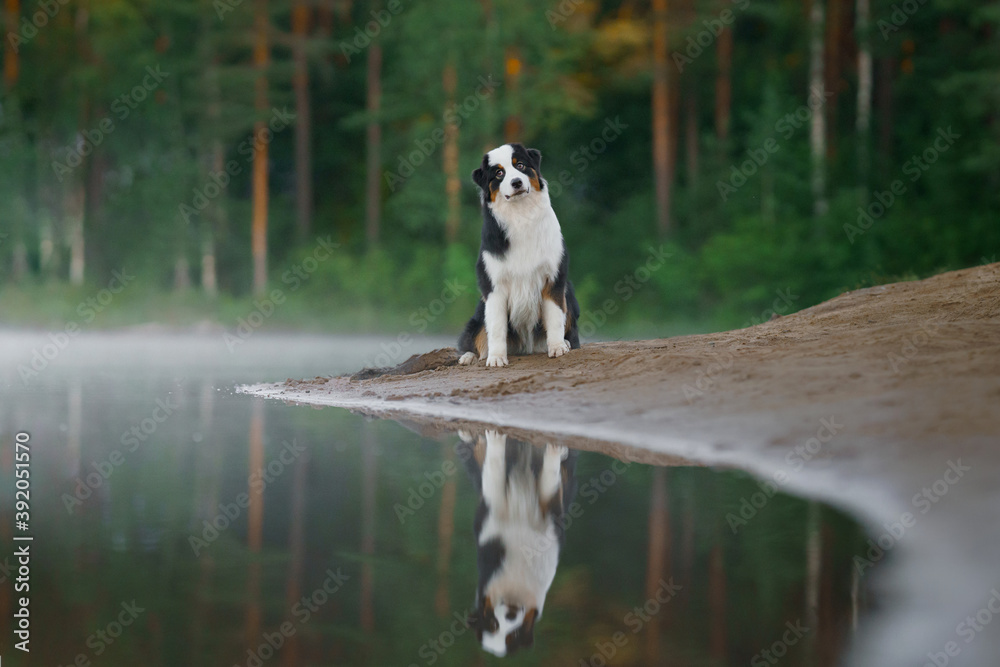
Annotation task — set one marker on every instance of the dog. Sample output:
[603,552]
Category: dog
[519,534]
[523,266]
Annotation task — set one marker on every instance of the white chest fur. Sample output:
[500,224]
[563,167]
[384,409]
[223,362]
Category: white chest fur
[532,259]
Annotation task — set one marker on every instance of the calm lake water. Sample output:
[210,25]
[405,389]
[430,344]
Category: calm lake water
[176,522]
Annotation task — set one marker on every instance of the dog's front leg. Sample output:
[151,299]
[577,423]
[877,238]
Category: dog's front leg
[495,469]
[554,320]
[496,328]
[551,478]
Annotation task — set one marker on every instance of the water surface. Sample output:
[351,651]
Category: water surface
[178,523]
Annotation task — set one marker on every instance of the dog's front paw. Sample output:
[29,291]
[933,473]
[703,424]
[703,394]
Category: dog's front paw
[557,451]
[496,360]
[558,349]
[467,358]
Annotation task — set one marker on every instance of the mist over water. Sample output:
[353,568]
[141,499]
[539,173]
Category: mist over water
[177,522]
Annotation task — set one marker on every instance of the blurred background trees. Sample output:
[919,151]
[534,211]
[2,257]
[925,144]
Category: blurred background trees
[205,145]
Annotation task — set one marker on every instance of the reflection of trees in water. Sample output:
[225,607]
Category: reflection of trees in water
[327,509]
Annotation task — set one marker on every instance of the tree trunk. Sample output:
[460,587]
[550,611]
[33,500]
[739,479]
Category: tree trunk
[658,564]
[369,482]
[296,553]
[691,136]
[817,125]
[814,561]
[723,84]
[11,61]
[864,111]
[77,246]
[373,185]
[886,70]
[662,174]
[718,635]
[303,120]
[255,525]
[834,19]
[490,40]
[446,530]
[513,127]
[261,58]
[452,183]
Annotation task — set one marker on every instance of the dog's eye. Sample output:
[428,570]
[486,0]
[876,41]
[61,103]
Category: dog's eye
[520,165]
[499,173]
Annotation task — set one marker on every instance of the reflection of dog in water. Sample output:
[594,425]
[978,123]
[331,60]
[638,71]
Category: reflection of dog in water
[523,490]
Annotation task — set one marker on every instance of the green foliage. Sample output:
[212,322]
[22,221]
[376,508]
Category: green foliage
[729,254]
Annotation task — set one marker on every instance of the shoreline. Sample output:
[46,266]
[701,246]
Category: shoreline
[886,389]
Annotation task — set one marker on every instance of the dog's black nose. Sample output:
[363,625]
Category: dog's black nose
[516,183]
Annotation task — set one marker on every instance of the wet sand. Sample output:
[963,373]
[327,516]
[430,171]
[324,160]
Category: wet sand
[883,401]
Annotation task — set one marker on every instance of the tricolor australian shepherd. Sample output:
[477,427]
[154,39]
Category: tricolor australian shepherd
[527,298]
[519,534]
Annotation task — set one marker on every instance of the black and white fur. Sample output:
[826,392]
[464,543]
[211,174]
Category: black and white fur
[523,267]
[519,534]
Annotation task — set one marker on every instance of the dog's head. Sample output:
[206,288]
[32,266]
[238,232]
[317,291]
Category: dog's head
[509,173]
[503,629]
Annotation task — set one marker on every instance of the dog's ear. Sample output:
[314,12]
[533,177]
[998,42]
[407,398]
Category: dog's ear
[481,175]
[535,156]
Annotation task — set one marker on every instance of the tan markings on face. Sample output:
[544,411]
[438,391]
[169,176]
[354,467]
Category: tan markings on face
[535,183]
[549,293]
[494,189]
